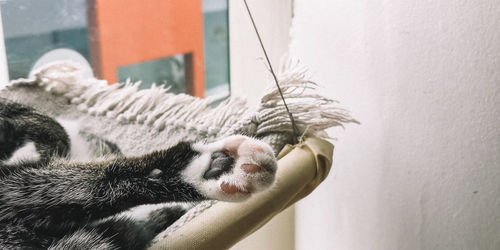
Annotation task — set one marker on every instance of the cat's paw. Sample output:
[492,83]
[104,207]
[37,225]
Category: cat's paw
[232,169]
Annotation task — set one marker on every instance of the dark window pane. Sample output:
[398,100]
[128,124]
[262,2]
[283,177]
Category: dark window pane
[166,71]
[216,42]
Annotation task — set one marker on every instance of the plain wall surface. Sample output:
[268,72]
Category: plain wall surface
[422,171]
[249,79]
[249,72]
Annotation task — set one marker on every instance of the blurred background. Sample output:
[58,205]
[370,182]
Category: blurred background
[422,171]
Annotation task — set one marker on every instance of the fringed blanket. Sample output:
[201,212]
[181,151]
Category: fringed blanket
[140,121]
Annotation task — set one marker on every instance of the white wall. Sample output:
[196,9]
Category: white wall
[249,74]
[249,78]
[422,171]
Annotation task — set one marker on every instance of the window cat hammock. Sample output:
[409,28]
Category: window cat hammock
[140,121]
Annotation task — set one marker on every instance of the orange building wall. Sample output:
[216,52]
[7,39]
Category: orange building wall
[124,32]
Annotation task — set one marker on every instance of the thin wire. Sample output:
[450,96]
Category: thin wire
[294,126]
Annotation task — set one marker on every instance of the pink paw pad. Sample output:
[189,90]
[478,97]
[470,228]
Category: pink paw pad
[250,168]
[230,189]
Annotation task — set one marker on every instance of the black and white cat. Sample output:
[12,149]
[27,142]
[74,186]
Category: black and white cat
[52,202]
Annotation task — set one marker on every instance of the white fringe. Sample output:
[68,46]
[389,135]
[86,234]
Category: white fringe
[158,108]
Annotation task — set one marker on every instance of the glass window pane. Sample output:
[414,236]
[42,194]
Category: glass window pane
[32,28]
[183,44]
[216,41]
[168,71]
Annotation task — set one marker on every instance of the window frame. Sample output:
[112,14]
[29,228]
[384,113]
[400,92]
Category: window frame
[4,72]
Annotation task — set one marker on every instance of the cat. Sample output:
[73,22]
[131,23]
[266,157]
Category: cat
[53,202]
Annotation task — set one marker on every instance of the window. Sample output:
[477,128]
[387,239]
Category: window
[181,44]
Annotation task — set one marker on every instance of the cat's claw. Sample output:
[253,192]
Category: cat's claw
[233,168]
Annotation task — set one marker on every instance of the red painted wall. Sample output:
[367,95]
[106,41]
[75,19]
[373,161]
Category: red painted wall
[124,32]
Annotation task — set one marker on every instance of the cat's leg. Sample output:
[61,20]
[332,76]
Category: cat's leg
[16,236]
[20,124]
[49,136]
[83,239]
[231,169]
[155,217]
[15,153]
[66,194]
[10,139]
[133,229]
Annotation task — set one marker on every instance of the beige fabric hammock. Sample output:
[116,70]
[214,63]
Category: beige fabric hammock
[301,168]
